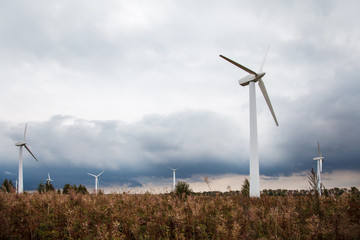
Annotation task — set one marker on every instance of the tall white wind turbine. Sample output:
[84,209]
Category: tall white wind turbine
[21,145]
[250,80]
[174,170]
[96,180]
[48,180]
[319,161]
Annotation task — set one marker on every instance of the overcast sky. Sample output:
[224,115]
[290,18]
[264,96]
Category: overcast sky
[131,87]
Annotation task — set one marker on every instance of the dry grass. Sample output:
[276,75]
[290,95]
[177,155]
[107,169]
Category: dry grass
[150,216]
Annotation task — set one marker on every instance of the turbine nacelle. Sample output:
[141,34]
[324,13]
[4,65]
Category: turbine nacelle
[174,169]
[18,144]
[250,78]
[318,158]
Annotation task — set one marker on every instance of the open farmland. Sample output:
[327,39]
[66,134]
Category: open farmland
[150,216]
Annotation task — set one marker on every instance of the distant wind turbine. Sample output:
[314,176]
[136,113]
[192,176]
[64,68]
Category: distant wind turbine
[319,163]
[250,80]
[49,179]
[21,145]
[16,186]
[96,180]
[174,170]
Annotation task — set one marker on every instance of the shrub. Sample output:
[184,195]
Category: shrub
[182,189]
[245,188]
[7,186]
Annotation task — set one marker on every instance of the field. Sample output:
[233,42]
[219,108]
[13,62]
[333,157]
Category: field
[167,216]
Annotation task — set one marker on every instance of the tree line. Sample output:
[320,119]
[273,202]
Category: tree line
[9,187]
[183,189]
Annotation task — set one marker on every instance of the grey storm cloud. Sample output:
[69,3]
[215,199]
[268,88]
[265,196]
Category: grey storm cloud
[153,139]
[197,141]
[201,141]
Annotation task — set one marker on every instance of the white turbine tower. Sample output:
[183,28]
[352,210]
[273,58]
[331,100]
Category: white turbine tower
[174,170]
[250,80]
[48,180]
[319,160]
[96,180]
[21,145]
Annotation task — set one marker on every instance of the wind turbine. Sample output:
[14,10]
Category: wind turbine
[320,161]
[96,180]
[21,145]
[173,169]
[49,179]
[250,80]
[16,186]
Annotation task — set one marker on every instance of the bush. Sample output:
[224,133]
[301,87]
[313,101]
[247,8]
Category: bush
[7,186]
[182,189]
[41,188]
[81,189]
[245,188]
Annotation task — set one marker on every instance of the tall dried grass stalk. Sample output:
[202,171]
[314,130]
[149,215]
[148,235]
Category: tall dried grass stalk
[165,216]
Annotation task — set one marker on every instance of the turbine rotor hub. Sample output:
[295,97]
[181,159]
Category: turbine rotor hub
[20,144]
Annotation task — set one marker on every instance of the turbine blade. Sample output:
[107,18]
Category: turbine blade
[319,149]
[267,99]
[100,173]
[262,65]
[30,152]
[25,132]
[92,175]
[239,65]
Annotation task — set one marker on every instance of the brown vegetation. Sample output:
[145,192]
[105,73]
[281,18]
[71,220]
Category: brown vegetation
[148,216]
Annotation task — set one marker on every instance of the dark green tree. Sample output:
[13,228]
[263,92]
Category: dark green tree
[49,187]
[245,188]
[41,188]
[182,189]
[66,189]
[82,189]
[7,186]
[354,191]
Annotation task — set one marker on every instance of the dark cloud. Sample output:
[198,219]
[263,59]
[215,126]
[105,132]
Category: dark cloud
[200,142]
